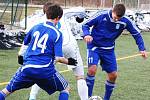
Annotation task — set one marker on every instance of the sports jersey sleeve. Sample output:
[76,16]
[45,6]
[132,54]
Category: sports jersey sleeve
[135,32]
[27,38]
[75,11]
[58,45]
[89,23]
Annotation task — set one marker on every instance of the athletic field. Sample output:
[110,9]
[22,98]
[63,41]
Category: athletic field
[133,82]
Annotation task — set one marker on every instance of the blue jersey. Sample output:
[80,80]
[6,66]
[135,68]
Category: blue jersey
[44,44]
[105,31]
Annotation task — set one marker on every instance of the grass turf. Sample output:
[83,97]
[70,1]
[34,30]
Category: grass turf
[132,83]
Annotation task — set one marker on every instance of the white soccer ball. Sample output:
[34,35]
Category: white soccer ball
[95,98]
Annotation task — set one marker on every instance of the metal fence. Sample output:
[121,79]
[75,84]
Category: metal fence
[94,4]
[135,4]
[12,11]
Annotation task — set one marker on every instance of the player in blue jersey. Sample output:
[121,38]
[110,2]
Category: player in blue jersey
[44,48]
[70,48]
[107,26]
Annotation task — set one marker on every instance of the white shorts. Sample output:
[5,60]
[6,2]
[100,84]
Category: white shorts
[72,50]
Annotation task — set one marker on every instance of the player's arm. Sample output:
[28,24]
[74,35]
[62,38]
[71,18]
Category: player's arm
[92,21]
[135,32]
[86,28]
[69,61]
[24,47]
[75,11]
[21,53]
[59,54]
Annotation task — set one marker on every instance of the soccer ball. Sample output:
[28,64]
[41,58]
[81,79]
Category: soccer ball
[95,98]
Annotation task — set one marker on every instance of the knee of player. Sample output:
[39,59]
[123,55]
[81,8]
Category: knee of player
[113,76]
[67,90]
[6,92]
[92,70]
[80,77]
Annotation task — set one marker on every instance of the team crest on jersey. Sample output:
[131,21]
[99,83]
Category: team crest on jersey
[117,26]
[105,19]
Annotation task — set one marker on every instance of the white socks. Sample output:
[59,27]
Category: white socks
[34,91]
[82,89]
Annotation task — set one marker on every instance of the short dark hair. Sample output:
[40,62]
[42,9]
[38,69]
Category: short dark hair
[119,10]
[52,10]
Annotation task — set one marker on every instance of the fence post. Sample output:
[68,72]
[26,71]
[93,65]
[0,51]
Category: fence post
[26,3]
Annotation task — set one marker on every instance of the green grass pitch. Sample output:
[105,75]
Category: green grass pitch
[133,82]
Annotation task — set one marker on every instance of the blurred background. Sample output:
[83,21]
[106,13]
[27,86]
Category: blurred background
[17,15]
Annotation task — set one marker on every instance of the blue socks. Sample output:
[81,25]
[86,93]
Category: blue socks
[63,95]
[109,86]
[2,95]
[90,83]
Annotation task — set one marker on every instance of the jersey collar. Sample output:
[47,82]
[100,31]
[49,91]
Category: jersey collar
[48,22]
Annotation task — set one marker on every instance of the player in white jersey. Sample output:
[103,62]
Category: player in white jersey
[70,49]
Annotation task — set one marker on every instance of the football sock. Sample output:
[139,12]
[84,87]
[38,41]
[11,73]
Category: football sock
[2,95]
[63,95]
[34,91]
[90,83]
[82,89]
[109,86]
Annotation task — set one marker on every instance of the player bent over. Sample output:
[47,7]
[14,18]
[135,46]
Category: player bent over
[106,28]
[44,46]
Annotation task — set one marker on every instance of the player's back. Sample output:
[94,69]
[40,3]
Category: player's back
[42,40]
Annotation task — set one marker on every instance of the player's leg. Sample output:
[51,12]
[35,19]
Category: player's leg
[110,85]
[81,83]
[73,51]
[64,94]
[62,86]
[34,91]
[79,73]
[110,66]
[17,82]
[93,59]
[4,93]
[90,78]
[82,87]
[55,83]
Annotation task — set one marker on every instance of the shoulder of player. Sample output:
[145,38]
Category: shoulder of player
[55,32]
[100,14]
[129,22]
[50,28]
[126,19]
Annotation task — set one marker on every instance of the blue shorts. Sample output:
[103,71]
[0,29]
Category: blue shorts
[107,59]
[51,84]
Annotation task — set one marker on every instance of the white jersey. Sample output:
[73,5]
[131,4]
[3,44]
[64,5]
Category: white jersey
[66,31]
[67,19]
[70,46]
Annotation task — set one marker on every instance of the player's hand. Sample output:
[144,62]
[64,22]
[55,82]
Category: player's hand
[144,54]
[88,38]
[20,59]
[72,61]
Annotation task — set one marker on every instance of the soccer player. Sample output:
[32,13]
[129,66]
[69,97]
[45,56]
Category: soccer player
[70,49]
[107,26]
[44,47]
